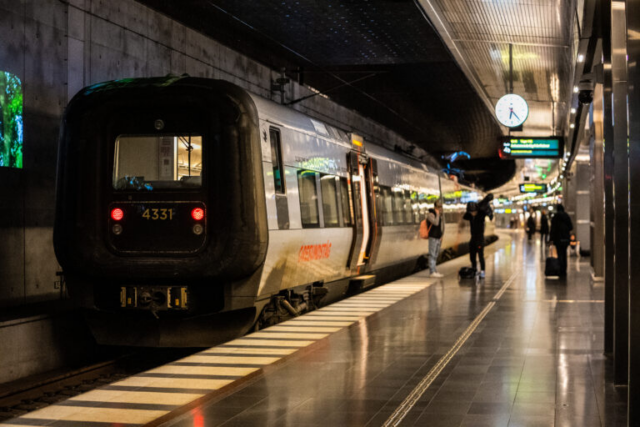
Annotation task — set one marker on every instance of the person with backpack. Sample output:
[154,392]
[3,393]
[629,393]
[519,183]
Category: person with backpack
[544,227]
[432,228]
[531,226]
[560,236]
[476,214]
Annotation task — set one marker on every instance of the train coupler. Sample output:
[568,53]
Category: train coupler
[154,298]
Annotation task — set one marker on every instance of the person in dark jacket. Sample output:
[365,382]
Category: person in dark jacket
[544,227]
[476,214]
[560,236]
[531,226]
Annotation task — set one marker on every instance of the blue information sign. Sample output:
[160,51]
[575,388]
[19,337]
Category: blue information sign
[532,148]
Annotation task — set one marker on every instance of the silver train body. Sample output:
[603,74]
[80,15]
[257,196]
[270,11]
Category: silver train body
[328,214]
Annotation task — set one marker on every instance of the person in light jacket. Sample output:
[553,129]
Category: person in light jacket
[435,220]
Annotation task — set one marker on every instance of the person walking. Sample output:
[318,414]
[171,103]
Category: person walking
[476,214]
[436,222]
[544,227]
[560,236]
[531,226]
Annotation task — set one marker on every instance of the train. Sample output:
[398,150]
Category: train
[190,211]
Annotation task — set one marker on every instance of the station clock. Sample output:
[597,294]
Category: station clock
[512,110]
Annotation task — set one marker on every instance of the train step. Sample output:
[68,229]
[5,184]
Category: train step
[360,283]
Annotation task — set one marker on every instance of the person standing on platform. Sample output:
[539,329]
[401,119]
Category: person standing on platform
[560,236]
[544,227]
[436,222]
[476,214]
[531,226]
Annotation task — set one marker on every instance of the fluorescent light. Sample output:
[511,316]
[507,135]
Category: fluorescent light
[581,58]
[573,111]
[575,89]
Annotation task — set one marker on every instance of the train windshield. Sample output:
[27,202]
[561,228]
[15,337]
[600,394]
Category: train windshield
[147,163]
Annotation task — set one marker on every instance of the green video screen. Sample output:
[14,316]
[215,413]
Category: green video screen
[11,125]
[532,148]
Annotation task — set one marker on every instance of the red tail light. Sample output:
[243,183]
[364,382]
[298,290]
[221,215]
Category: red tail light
[197,214]
[117,214]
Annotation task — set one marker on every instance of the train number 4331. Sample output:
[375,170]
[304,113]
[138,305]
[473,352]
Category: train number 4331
[158,214]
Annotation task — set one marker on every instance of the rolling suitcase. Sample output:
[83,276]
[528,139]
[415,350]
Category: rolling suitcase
[552,264]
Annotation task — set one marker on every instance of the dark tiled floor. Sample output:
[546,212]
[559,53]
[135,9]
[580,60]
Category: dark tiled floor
[535,360]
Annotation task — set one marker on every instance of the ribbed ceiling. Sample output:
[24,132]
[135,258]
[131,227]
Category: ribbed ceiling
[407,78]
[540,32]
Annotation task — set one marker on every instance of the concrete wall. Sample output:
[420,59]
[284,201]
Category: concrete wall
[56,47]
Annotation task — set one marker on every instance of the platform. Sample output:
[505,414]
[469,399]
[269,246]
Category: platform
[513,350]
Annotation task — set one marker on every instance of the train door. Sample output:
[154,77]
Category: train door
[362,170]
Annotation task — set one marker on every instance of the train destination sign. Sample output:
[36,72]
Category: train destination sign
[533,188]
[532,147]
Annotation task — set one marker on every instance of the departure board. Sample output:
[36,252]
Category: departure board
[533,188]
[532,148]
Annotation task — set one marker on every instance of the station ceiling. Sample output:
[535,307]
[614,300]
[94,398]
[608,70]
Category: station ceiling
[399,69]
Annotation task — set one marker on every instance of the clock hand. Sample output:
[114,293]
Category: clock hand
[515,115]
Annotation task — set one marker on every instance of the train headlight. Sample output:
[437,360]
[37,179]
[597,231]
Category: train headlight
[198,229]
[117,229]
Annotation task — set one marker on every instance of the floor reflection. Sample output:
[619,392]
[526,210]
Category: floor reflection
[535,360]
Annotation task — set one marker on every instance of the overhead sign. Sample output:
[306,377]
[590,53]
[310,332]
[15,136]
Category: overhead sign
[533,188]
[532,148]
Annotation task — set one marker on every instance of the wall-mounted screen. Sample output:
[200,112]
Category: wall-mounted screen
[532,148]
[533,188]
[11,127]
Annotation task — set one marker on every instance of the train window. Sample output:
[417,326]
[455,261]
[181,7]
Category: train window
[308,199]
[145,162]
[398,207]
[329,201]
[346,206]
[387,206]
[408,211]
[276,160]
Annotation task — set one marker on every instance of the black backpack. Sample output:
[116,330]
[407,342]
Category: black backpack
[467,273]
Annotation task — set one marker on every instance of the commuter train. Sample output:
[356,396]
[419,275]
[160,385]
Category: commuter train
[189,211]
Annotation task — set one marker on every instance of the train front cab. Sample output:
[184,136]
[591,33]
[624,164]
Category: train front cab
[160,207]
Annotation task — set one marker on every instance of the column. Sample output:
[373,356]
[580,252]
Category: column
[633,50]
[620,192]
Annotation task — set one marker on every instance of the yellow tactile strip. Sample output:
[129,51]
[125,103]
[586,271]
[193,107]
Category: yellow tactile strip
[145,398]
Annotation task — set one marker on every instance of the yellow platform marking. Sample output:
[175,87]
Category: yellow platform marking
[136,396]
[306,335]
[173,382]
[260,351]
[202,370]
[309,328]
[231,360]
[104,415]
[327,315]
[286,328]
[270,343]
[320,323]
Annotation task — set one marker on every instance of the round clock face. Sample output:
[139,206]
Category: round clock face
[512,110]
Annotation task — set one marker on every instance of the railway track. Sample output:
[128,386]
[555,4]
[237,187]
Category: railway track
[27,395]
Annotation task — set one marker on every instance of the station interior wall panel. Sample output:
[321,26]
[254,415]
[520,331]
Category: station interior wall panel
[56,47]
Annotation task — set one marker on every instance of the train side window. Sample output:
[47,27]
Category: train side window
[398,207]
[329,201]
[308,199]
[387,205]
[415,207]
[276,160]
[346,205]
[408,211]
